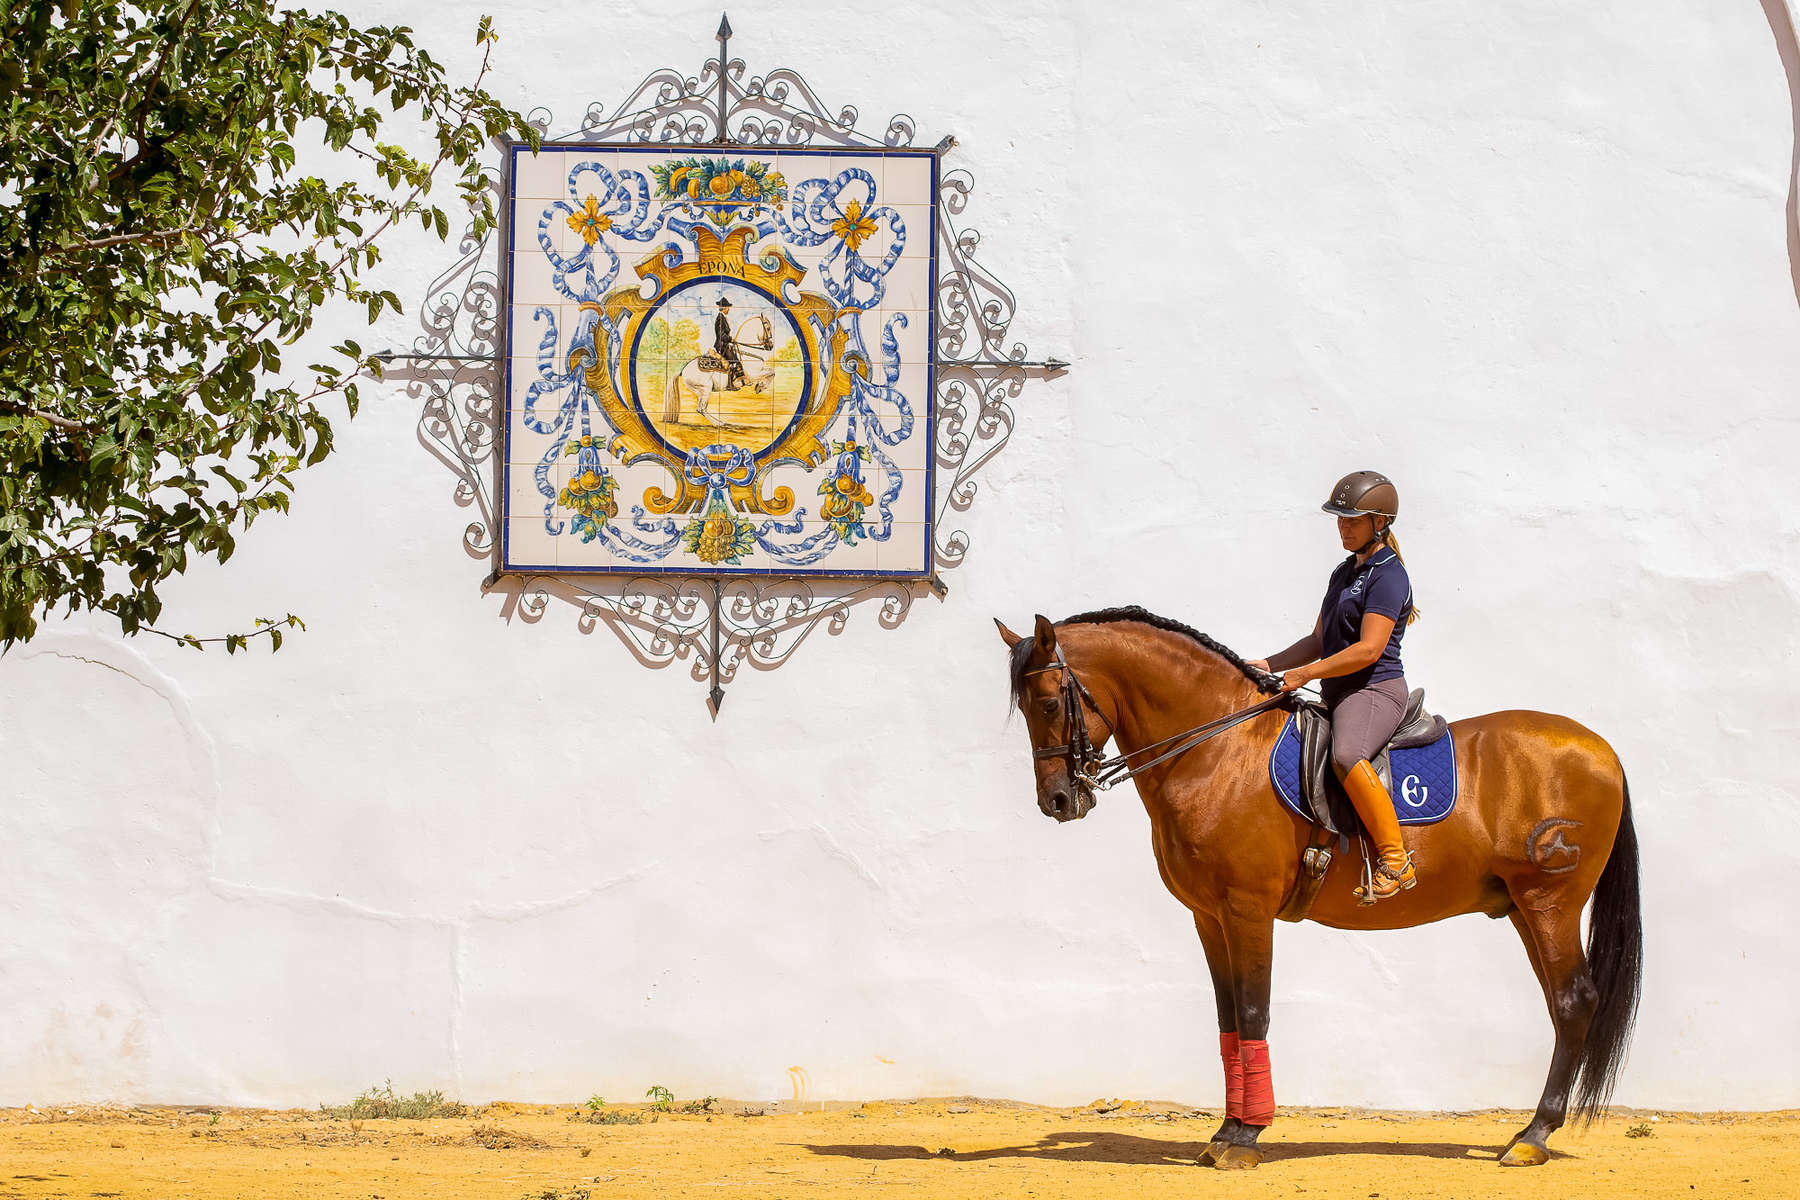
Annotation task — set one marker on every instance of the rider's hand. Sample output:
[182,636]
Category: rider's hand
[1260,664]
[1293,681]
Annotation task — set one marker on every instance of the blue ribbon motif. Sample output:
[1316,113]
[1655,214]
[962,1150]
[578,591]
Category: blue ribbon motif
[851,278]
[624,544]
[737,469]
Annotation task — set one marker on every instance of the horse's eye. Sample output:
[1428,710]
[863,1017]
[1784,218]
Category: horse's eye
[1050,706]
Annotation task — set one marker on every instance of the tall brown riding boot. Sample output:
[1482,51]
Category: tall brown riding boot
[1393,869]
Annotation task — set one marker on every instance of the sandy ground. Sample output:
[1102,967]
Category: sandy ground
[981,1150]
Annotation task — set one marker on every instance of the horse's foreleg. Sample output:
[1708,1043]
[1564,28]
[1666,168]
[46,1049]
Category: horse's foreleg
[1552,935]
[1218,963]
[1251,944]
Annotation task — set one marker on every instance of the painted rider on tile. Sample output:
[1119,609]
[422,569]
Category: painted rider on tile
[725,346]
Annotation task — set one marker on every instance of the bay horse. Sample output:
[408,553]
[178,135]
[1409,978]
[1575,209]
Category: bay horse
[1542,824]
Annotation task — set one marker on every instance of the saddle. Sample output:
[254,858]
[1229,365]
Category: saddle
[1326,801]
[712,362]
[1300,768]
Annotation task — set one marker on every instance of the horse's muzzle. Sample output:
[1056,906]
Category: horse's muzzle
[1066,802]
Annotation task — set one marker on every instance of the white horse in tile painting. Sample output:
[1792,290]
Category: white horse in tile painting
[699,378]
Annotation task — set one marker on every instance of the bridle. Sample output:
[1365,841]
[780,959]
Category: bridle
[1077,747]
[1088,770]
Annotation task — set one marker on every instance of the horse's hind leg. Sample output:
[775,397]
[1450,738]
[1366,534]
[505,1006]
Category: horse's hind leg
[1551,930]
[1218,964]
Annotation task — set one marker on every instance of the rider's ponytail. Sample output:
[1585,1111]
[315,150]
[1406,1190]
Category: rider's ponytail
[1387,535]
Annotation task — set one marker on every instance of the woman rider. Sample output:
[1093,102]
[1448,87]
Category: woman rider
[1354,653]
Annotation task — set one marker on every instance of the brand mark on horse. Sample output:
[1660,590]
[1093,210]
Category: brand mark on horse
[1547,849]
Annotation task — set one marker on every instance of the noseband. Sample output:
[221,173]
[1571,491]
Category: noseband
[1088,770]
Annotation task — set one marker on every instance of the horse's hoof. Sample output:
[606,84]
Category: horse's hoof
[1524,1154]
[1238,1158]
[1214,1151]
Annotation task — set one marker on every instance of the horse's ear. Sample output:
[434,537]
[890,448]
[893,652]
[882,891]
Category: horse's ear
[1046,635]
[1006,635]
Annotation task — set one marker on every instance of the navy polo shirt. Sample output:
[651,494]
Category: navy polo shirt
[1377,586]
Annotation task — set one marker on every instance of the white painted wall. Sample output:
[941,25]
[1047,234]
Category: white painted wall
[1532,259]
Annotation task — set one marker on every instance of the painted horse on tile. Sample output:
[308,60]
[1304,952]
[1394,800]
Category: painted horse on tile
[701,377]
[1543,826]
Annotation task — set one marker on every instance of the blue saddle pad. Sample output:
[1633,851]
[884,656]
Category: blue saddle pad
[1424,777]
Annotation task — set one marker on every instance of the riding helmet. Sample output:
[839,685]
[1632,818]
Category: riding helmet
[1363,492]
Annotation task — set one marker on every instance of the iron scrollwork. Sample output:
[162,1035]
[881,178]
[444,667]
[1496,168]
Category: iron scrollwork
[716,625]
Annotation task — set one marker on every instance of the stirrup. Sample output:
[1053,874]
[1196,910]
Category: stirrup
[1406,878]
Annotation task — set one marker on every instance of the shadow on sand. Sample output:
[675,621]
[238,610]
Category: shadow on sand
[1082,1146]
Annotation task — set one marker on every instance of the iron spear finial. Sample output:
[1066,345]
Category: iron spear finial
[724,67]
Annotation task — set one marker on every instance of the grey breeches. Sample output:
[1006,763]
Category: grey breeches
[1363,721]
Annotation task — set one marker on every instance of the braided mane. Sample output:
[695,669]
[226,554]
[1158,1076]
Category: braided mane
[1132,612]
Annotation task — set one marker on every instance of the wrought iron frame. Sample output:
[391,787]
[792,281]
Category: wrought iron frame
[719,623]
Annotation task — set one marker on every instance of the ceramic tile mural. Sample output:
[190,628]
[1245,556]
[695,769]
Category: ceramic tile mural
[719,361]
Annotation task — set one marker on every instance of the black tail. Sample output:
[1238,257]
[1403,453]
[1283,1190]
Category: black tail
[1615,955]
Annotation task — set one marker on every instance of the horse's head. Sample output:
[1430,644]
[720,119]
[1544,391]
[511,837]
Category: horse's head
[757,332]
[1065,727]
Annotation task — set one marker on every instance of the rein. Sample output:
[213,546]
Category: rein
[1094,772]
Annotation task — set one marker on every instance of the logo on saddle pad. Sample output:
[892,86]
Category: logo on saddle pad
[1415,793]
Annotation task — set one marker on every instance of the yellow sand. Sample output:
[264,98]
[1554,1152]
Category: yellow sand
[991,1151]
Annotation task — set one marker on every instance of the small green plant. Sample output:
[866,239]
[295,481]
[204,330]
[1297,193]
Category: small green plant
[1641,1129]
[596,1102]
[696,1107]
[215,1119]
[661,1098]
[384,1104]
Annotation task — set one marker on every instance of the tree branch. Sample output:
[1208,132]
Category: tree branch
[148,81]
[25,410]
[233,641]
[155,235]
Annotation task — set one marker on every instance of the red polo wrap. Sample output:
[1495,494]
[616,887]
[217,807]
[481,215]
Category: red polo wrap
[1234,1074]
[1259,1089]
